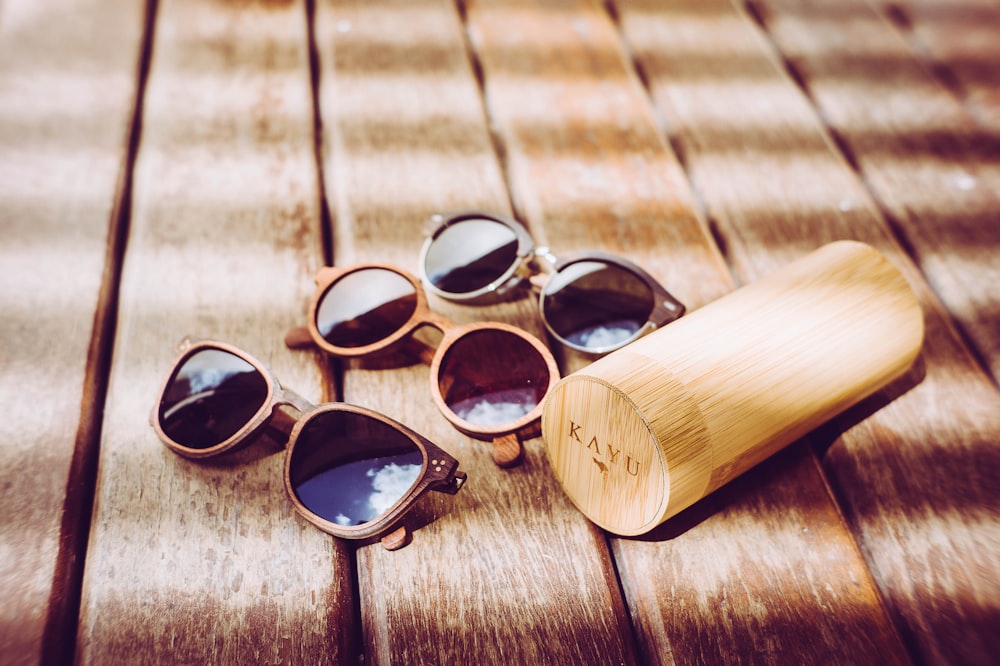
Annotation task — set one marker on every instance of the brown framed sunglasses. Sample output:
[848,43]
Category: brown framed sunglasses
[487,379]
[594,302]
[350,471]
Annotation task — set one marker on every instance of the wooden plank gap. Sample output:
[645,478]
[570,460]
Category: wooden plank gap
[897,16]
[59,634]
[499,146]
[859,153]
[315,76]
[759,15]
[675,143]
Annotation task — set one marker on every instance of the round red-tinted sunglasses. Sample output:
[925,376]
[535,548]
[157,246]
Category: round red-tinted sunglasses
[488,379]
[593,302]
[350,471]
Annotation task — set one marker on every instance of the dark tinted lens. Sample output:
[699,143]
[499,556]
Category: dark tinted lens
[211,396]
[468,255]
[492,377]
[365,306]
[350,469]
[596,305]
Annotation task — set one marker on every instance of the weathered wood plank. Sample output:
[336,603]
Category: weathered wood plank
[960,41]
[508,571]
[934,173]
[917,478]
[208,562]
[67,85]
[739,577]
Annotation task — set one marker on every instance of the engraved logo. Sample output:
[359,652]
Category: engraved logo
[604,454]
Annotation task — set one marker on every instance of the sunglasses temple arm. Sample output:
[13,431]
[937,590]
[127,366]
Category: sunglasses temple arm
[298,337]
[507,450]
[453,485]
[397,539]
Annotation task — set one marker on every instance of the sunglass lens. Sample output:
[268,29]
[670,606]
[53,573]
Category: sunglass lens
[210,397]
[596,305]
[492,377]
[365,306]
[468,255]
[349,469]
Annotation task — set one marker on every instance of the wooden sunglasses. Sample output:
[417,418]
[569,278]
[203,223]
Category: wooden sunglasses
[487,379]
[350,471]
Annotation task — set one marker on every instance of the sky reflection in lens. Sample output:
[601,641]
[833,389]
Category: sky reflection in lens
[350,468]
[468,255]
[496,407]
[357,493]
[211,396]
[364,307]
[492,377]
[595,305]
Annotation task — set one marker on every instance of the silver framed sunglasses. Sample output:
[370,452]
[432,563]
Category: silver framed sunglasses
[594,302]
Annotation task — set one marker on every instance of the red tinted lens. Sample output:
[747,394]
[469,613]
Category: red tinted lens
[491,377]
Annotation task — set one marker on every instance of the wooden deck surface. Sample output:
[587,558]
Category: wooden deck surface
[184,167]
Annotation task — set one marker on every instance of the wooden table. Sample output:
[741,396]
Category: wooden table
[184,167]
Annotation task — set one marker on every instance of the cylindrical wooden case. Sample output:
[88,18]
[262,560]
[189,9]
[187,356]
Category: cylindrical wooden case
[650,429]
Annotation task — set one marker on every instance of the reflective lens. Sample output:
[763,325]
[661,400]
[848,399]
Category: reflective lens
[469,255]
[365,306]
[492,377]
[596,305]
[349,468]
[211,396]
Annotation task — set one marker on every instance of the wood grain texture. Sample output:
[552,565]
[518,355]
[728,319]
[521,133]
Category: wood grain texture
[710,141]
[67,85]
[917,477]
[507,571]
[932,170]
[207,562]
[590,169]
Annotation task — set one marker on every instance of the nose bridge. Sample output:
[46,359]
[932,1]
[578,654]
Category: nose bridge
[544,252]
[287,397]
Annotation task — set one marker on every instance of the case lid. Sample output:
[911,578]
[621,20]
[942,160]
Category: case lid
[626,450]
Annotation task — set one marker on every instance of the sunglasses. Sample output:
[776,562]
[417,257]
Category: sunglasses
[593,302]
[487,379]
[350,471]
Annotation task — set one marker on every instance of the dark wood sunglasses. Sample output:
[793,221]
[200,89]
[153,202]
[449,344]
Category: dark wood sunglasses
[350,471]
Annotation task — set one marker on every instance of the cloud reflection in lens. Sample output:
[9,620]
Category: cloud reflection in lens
[350,469]
[212,395]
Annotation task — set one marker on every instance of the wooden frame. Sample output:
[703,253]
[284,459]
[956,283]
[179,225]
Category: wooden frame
[507,447]
[666,308]
[439,470]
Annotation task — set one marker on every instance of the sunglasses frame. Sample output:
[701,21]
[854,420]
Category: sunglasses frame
[507,446]
[509,279]
[666,308]
[439,470]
